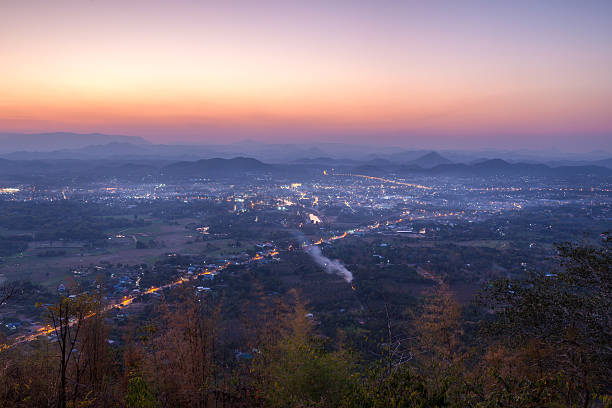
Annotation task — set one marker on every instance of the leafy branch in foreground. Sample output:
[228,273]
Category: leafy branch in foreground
[562,319]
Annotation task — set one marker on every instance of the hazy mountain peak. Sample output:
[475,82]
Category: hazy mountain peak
[430,160]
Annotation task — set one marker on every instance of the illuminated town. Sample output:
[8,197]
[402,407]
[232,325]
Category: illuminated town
[321,208]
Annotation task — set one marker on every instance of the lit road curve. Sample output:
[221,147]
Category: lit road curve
[128,300]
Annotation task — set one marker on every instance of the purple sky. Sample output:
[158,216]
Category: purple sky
[435,74]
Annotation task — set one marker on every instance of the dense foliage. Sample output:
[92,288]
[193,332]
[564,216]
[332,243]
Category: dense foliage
[544,342]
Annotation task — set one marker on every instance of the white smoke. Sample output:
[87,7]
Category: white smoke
[334,266]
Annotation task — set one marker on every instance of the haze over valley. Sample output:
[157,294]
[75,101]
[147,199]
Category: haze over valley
[348,204]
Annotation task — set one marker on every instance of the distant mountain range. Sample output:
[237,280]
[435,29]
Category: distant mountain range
[488,168]
[68,171]
[498,167]
[98,155]
[46,142]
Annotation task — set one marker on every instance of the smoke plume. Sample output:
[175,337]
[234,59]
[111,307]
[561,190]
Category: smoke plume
[334,266]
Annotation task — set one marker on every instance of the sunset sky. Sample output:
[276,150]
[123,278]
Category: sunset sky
[435,74]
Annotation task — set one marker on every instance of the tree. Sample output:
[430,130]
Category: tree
[138,393]
[94,368]
[67,317]
[28,377]
[7,291]
[182,364]
[438,327]
[562,320]
[299,370]
[440,353]
[380,388]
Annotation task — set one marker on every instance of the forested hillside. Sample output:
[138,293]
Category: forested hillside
[541,341]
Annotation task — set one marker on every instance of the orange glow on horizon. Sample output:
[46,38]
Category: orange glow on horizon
[205,72]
